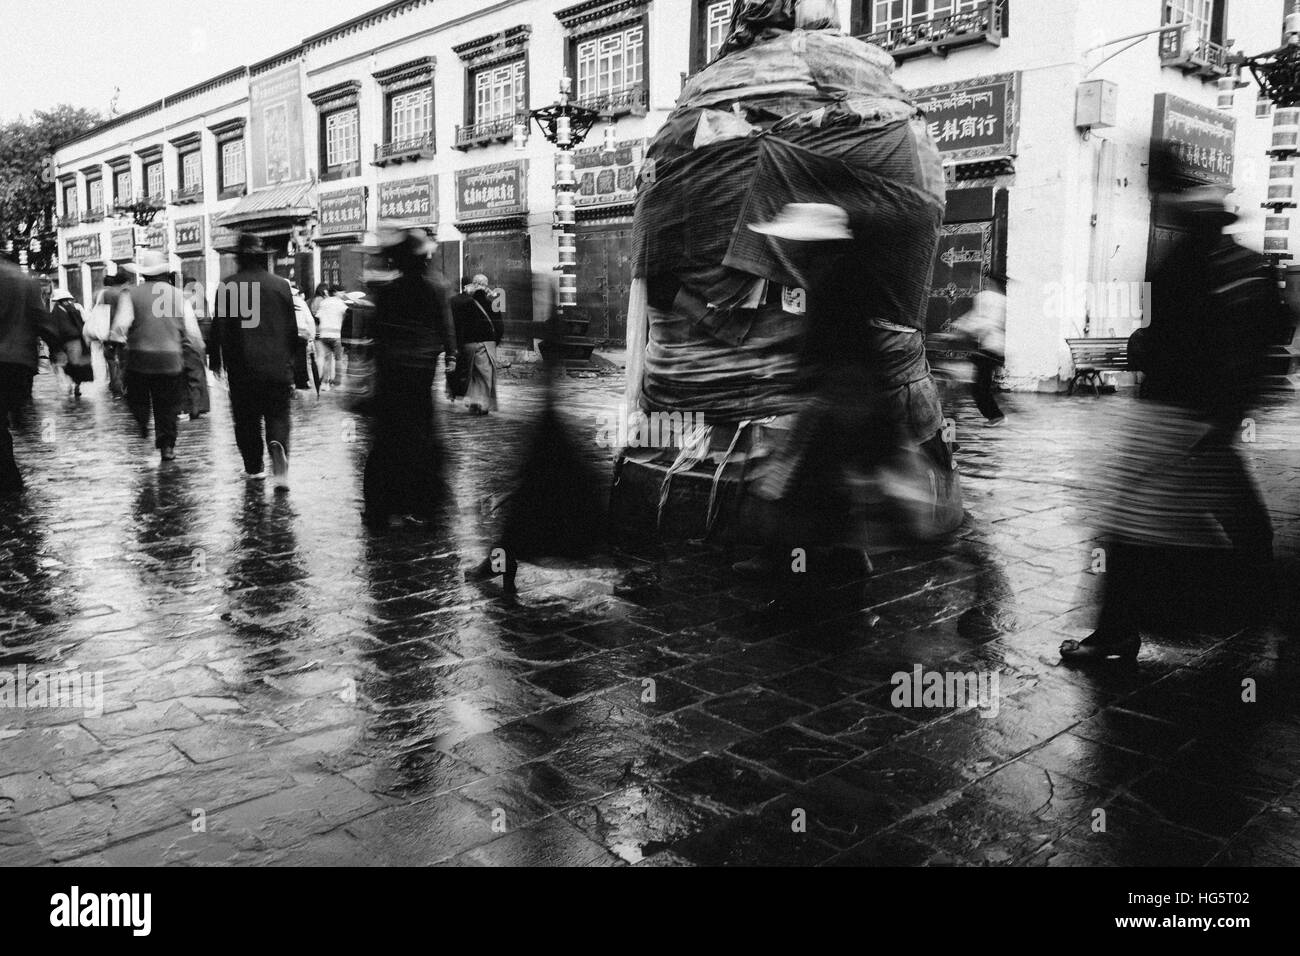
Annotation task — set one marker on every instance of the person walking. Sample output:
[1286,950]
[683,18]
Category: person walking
[403,474]
[74,356]
[197,400]
[1188,540]
[102,313]
[984,330]
[24,321]
[255,341]
[157,325]
[329,344]
[479,332]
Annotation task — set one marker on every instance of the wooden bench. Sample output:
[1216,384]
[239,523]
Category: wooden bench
[1091,357]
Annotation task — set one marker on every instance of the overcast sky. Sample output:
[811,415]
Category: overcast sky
[77,51]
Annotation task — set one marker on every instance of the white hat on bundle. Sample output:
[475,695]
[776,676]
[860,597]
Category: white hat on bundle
[807,222]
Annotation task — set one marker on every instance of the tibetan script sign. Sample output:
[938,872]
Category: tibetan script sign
[973,119]
[189,235]
[606,179]
[82,248]
[492,192]
[409,202]
[343,212]
[1203,139]
[155,237]
[121,244]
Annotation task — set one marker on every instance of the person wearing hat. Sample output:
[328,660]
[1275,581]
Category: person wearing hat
[1188,538]
[74,356]
[255,340]
[403,472]
[24,321]
[157,323]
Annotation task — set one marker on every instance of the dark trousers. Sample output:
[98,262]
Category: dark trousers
[161,393]
[254,406]
[983,389]
[403,470]
[15,388]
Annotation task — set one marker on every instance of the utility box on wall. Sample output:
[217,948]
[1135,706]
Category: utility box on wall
[1096,104]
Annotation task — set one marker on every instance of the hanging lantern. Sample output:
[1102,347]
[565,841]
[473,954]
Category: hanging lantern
[563,131]
[565,209]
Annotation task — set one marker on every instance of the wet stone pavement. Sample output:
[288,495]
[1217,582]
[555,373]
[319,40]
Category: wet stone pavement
[280,687]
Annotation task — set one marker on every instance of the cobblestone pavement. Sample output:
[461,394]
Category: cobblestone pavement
[280,687]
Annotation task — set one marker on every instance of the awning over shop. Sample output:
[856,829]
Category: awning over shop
[272,206]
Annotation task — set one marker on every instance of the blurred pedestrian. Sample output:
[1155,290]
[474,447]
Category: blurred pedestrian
[102,320]
[157,324]
[479,331]
[255,340]
[983,330]
[329,345]
[73,357]
[24,321]
[403,472]
[1188,538]
[197,401]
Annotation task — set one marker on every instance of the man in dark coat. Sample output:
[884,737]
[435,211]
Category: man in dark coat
[23,319]
[478,331]
[255,340]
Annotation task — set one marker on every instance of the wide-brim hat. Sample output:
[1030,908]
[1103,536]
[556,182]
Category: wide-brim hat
[409,241]
[150,263]
[247,244]
[807,222]
[58,295]
[1205,203]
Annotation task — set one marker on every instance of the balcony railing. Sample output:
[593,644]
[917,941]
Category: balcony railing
[939,35]
[633,99]
[1193,54]
[93,215]
[489,131]
[418,147]
[187,194]
[69,219]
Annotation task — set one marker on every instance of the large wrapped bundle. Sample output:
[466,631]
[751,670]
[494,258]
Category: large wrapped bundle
[784,115]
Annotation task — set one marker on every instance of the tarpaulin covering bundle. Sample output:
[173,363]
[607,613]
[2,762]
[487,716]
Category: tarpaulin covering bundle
[783,116]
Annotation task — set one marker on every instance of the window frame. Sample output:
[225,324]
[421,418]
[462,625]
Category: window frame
[621,30]
[73,208]
[225,186]
[518,66]
[181,159]
[863,20]
[390,105]
[91,205]
[146,171]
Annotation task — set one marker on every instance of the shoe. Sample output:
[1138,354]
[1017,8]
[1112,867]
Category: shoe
[169,454]
[1095,650]
[995,422]
[254,476]
[280,466]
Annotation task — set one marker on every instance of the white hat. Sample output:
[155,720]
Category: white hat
[151,263]
[58,295]
[808,222]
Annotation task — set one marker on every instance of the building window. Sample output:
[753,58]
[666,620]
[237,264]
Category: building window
[153,179]
[70,199]
[122,185]
[232,164]
[900,13]
[341,143]
[191,170]
[717,22]
[611,63]
[95,194]
[1263,107]
[410,114]
[498,91]
[1198,13]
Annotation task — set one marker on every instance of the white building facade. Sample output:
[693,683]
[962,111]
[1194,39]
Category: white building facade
[408,115]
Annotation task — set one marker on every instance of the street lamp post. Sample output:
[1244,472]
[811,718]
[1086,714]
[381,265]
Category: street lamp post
[565,125]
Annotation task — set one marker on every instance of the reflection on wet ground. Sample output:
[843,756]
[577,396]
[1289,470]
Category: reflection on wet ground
[281,687]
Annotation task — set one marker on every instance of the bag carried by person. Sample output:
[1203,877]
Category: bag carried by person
[100,322]
[458,378]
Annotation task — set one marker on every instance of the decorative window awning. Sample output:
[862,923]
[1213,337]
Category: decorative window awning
[119,163]
[495,47]
[188,140]
[338,96]
[596,16]
[411,73]
[150,152]
[228,130]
